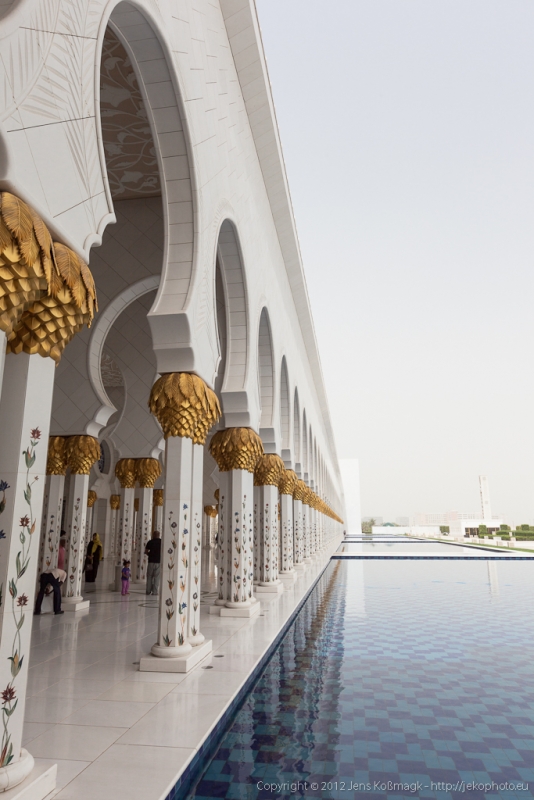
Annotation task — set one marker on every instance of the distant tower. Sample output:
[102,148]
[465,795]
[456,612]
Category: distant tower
[485,497]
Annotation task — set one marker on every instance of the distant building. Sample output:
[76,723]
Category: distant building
[403,521]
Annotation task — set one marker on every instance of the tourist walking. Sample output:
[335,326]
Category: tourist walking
[125,577]
[93,558]
[53,578]
[153,551]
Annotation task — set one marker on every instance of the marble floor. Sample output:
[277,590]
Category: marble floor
[112,729]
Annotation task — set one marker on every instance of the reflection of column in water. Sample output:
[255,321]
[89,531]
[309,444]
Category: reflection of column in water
[493,577]
[355,602]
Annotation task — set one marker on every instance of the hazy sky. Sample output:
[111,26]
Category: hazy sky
[408,135]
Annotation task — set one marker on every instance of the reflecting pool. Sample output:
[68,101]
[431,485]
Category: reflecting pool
[396,679]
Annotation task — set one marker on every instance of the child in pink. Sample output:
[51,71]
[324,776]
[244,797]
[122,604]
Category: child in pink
[126,575]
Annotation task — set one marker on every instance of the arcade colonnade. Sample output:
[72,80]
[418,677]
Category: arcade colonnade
[158,360]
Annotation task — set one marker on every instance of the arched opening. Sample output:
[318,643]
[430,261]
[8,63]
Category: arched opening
[265,371]
[305,468]
[296,433]
[233,329]
[285,416]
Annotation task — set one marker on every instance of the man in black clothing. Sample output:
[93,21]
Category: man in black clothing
[153,551]
[53,578]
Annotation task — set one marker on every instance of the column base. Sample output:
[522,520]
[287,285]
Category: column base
[307,560]
[75,604]
[241,611]
[36,783]
[151,663]
[300,568]
[288,577]
[269,588]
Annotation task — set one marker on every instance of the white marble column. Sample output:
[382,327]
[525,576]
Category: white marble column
[126,523]
[239,513]
[236,451]
[91,500]
[256,535]
[56,467]
[267,475]
[115,503]
[186,409]
[224,547]
[125,471]
[298,552]
[157,520]
[172,630]
[194,634]
[81,453]
[148,471]
[269,527]
[286,486]
[24,425]
[2,357]
[52,521]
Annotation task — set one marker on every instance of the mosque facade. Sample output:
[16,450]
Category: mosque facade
[158,361]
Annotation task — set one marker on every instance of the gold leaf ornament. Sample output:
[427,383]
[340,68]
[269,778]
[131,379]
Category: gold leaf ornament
[47,292]
[184,406]
[56,462]
[268,470]
[148,471]
[300,491]
[158,497]
[126,471]
[236,448]
[92,497]
[288,481]
[82,452]
[115,501]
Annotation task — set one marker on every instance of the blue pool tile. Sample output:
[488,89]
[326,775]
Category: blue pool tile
[409,688]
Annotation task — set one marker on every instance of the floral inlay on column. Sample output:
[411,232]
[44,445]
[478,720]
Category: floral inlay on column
[18,602]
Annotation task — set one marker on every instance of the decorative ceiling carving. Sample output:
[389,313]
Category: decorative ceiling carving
[130,154]
[111,373]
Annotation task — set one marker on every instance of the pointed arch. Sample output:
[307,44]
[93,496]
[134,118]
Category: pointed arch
[305,466]
[266,370]
[230,263]
[285,419]
[296,430]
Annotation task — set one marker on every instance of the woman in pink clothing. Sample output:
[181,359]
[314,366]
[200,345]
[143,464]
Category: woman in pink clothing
[125,577]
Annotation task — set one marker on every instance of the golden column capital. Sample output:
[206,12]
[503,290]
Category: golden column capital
[210,511]
[47,293]
[115,501]
[56,462]
[236,448]
[147,471]
[287,482]
[299,492]
[82,452]
[158,497]
[126,472]
[184,406]
[92,497]
[269,470]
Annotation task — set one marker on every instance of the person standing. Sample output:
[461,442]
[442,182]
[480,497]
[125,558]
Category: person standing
[153,551]
[53,578]
[93,558]
[125,577]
